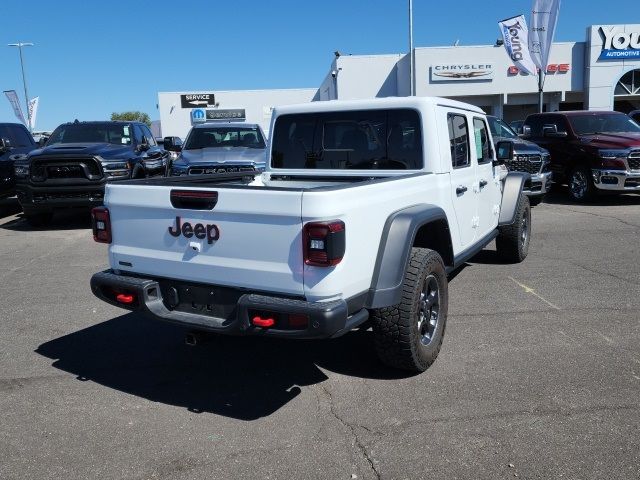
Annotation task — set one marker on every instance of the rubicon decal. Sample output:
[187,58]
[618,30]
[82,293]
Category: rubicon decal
[209,231]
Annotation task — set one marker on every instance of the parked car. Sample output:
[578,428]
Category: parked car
[635,115]
[77,161]
[220,147]
[591,151]
[524,156]
[516,125]
[15,142]
[360,215]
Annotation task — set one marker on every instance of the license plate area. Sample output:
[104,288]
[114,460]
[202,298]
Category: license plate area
[213,301]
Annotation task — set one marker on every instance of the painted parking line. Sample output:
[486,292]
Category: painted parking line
[534,293]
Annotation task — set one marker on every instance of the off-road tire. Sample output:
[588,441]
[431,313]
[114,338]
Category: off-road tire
[138,172]
[580,184]
[512,242]
[39,219]
[398,332]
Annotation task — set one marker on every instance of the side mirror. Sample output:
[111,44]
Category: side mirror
[173,144]
[525,131]
[42,142]
[504,152]
[144,146]
[551,131]
[5,145]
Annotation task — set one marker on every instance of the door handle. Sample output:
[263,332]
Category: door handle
[460,190]
[483,183]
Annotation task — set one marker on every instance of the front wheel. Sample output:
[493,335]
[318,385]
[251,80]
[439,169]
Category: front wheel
[409,335]
[581,188]
[512,242]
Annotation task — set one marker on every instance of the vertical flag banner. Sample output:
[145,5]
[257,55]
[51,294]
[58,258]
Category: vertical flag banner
[544,16]
[33,110]
[516,42]
[12,96]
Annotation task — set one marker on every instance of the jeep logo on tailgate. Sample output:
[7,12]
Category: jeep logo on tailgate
[209,231]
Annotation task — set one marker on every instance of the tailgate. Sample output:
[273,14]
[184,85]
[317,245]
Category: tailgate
[258,232]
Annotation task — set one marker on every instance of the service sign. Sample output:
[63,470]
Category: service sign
[198,100]
[226,114]
[619,45]
[461,72]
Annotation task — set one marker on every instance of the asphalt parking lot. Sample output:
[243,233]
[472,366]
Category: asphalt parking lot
[538,377]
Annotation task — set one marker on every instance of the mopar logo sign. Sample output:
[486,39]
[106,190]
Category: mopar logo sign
[198,115]
[619,45]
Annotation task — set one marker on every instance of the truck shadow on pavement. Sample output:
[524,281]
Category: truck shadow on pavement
[244,378]
[561,197]
[64,220]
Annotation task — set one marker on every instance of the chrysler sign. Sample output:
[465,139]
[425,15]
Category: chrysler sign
[619,45]
[461,72]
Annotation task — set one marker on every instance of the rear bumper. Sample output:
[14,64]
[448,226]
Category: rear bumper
[616,180]
[46,198]
[325,319]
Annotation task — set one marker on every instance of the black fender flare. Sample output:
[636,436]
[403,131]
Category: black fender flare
[511,191]
[398,237]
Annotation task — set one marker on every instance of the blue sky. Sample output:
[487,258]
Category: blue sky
[92,58]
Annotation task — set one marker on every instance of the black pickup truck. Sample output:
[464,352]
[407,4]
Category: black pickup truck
[78,159]
[15,142]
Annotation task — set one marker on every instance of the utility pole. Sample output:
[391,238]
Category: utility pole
[24,79]
[412,83]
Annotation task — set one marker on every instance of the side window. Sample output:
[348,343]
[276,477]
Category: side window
[404,141]
[147,133]
[18,136]
[535,123]
[484,153]
[137,134]
[458,140]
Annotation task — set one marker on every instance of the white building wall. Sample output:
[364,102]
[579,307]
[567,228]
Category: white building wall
[176,121]
[367,76]
[603,75]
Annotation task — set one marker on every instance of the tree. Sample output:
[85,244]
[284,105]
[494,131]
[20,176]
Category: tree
[132,117]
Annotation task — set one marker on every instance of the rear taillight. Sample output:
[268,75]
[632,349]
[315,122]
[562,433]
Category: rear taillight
[324,243]
[101,224]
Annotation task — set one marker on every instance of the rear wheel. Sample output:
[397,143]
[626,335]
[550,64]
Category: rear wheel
[409,335]
[39,219]
[512,242]
[581,188]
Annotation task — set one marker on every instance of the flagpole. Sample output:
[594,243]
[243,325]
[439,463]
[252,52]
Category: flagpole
[540,91]
[411,61]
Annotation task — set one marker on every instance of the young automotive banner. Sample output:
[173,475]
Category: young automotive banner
[12,96]
[33,110]
[544,16]
[516,42]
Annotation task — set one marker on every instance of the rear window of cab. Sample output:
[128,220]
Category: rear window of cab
[359,140]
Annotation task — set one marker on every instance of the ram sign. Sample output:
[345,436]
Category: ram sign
[618,44]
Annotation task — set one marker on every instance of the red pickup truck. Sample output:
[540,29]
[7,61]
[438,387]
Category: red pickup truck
[591,151]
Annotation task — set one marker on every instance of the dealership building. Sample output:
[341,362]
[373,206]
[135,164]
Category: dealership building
[600,73]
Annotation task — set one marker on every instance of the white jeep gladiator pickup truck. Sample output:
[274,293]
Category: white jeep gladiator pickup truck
[363,210]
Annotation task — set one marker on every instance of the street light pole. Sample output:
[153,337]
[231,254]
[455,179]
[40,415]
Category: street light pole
[411,59]
[24,79]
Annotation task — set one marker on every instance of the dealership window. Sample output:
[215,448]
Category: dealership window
[363,140]
[484,153]
[458,140]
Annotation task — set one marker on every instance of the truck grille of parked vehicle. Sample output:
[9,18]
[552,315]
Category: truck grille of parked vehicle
[204,170]
[525,163]
[55,168]
[634,160]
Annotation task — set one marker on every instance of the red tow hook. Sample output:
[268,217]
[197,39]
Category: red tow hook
[263,322]
[126,298]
